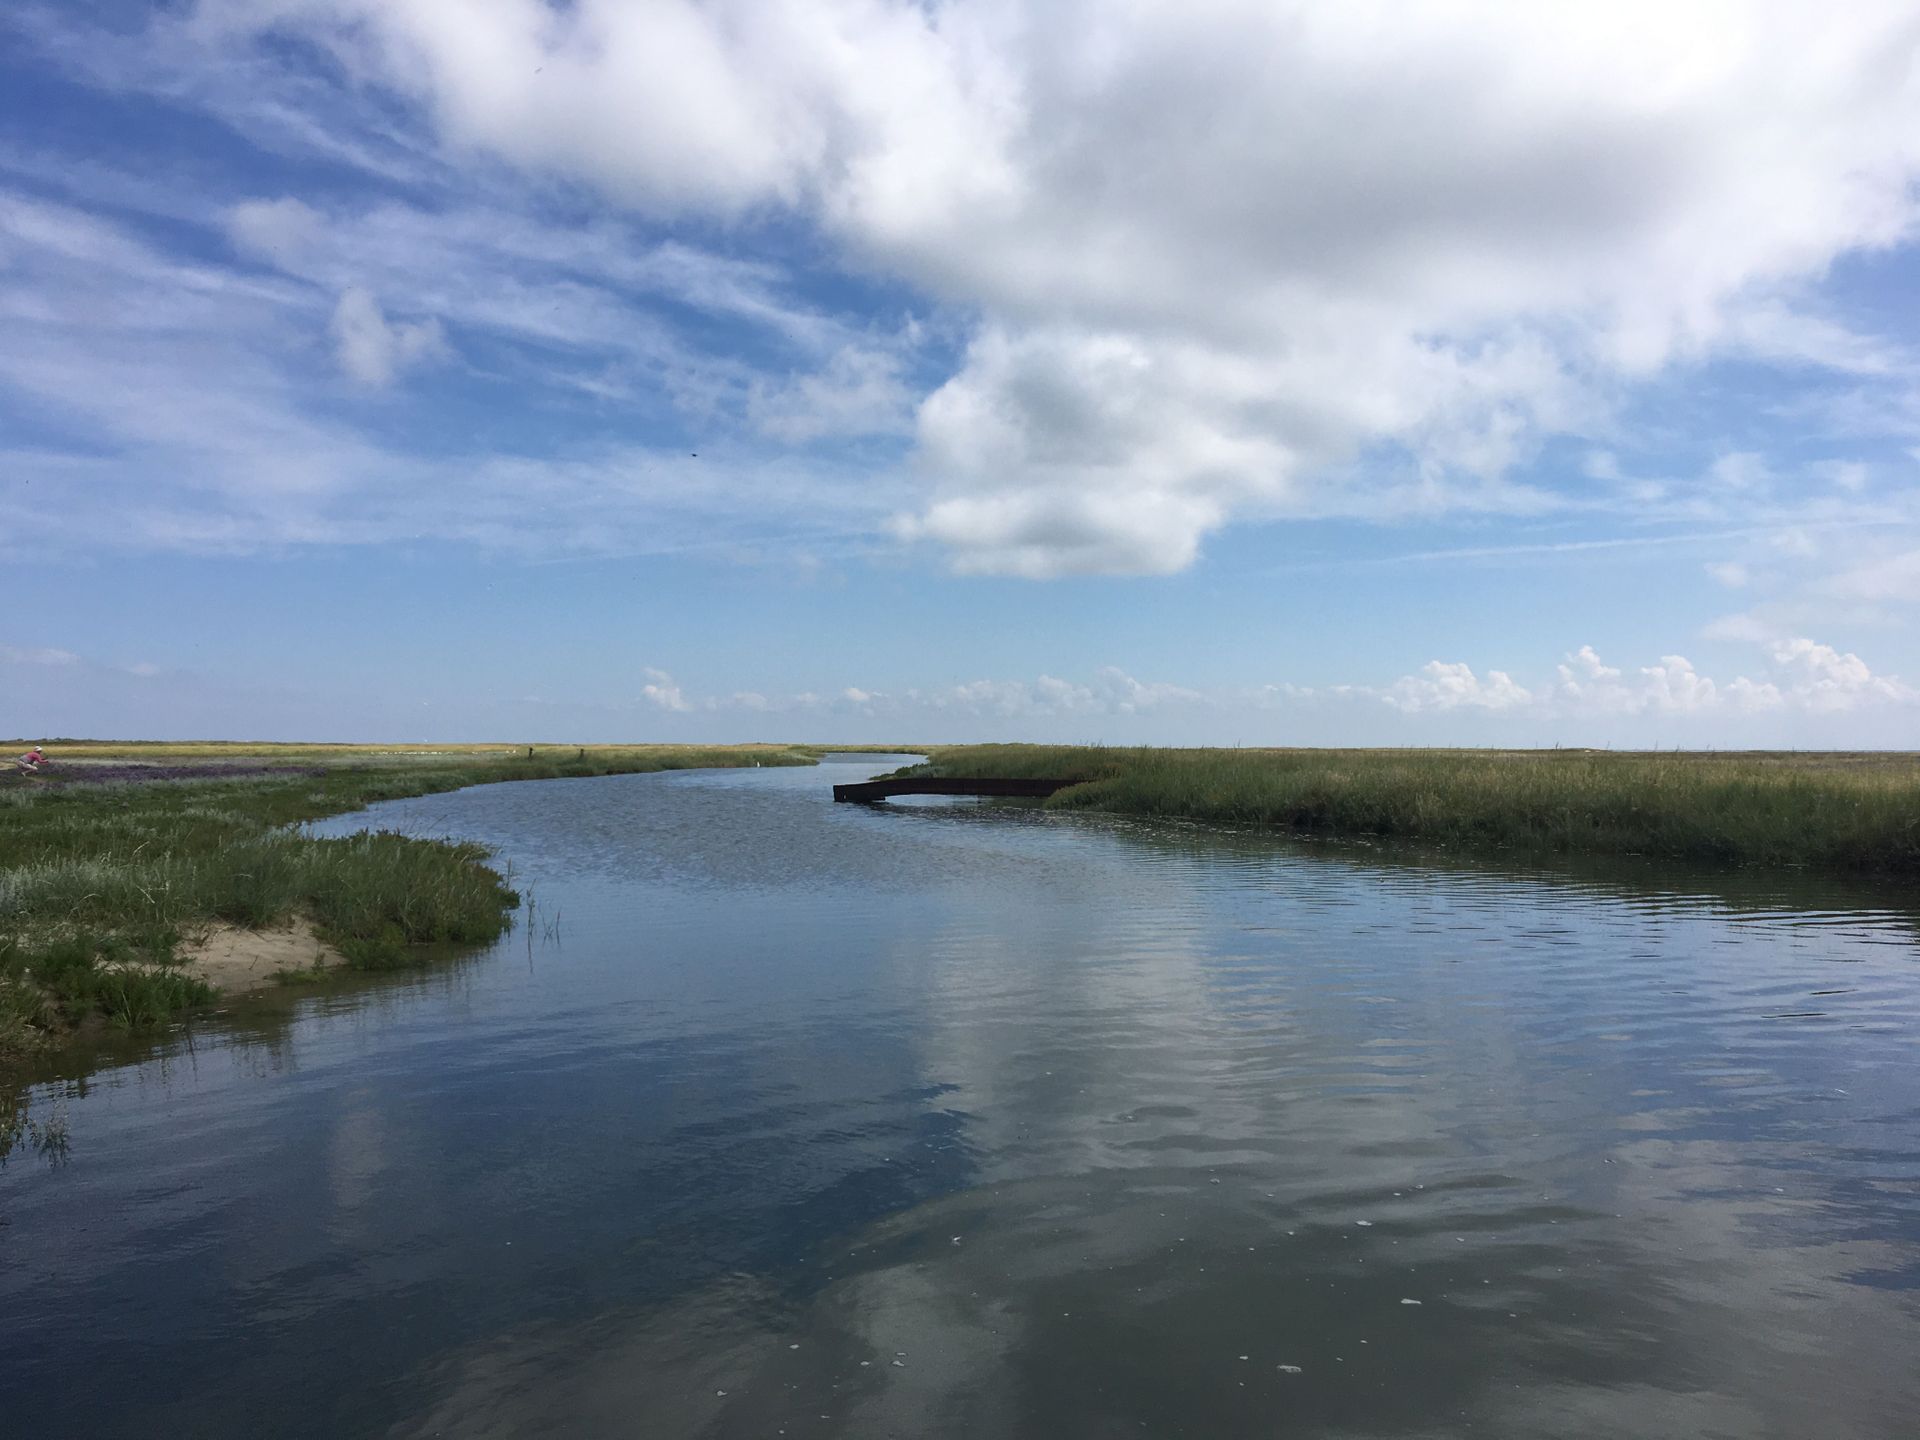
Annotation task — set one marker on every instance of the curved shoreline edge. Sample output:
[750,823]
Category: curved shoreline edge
[136,900]
[113,895]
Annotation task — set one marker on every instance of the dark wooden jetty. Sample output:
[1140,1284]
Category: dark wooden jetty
[871,792]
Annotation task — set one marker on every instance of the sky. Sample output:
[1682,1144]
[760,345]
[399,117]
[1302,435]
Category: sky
[1212,372]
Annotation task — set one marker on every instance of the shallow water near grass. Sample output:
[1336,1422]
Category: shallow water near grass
[779,1117]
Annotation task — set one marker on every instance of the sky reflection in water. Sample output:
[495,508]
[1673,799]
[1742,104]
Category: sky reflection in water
[954,1120]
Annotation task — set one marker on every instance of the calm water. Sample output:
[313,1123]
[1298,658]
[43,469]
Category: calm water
[777,1116]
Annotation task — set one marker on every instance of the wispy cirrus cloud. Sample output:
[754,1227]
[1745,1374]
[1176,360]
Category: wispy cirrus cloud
[224,383]
[37,655]
[371,348]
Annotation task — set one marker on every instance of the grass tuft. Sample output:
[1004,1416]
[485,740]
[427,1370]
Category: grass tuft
[48,1138]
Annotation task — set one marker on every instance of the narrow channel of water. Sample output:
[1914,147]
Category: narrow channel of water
[781,1117]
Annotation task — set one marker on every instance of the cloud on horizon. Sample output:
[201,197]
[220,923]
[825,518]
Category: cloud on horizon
[1805,677]
[1802,693]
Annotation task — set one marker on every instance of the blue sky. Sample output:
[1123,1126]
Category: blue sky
[1237,373]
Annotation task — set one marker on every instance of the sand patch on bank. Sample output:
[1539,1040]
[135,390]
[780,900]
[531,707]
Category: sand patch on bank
[232,959]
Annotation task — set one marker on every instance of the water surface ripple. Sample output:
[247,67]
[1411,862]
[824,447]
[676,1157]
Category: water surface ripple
[779,1117]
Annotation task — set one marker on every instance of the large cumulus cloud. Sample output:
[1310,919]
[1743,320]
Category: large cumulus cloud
[1215,249]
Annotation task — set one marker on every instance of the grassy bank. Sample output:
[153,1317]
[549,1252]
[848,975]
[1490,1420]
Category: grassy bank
[101,882]
[1839,812]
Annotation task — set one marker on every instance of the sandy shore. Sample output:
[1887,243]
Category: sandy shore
[233,960]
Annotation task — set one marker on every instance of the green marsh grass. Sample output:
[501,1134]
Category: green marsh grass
[1855,813]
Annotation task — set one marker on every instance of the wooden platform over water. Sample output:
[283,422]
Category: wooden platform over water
[871,792]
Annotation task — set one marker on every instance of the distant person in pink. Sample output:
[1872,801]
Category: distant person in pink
[32,760]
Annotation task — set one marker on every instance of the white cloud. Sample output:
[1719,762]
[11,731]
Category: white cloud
[1795,541]
[662,691]
[178,370]
[575,291]
[1770,330]
[1588,686]
[371,349]
[1111,691]
[1730,573]
[1812,694]
[1753,695]
[1813,678]
[285,232]
[15,655]
[860,390]
[1125,695]
[1826,679]
[1046,696]
[1893,577]
[1746,628]
[1676,687]
[1267,259]
[1218,252]
[1848,475]
[1741,470]
[1441,685]
[1587,682]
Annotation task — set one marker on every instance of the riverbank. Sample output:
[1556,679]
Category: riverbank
[140,880]
[1839,812]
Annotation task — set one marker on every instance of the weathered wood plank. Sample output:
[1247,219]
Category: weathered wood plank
[870,792]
